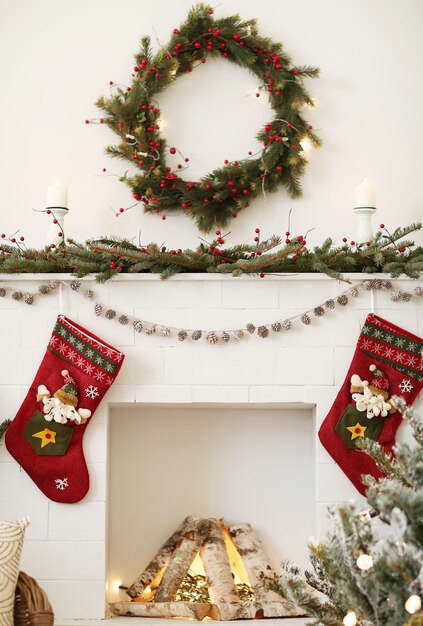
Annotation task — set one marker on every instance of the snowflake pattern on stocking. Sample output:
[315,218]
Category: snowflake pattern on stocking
[61,483]
[405,386]
[92,392]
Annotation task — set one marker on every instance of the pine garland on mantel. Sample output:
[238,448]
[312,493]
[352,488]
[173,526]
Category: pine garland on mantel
[390,253]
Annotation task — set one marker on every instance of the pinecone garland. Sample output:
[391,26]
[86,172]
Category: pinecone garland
[251,328]
[196,335]
[53,284]
[17,295]
[396,295]
[305,318]
[225,337]
[28,298]
[138,326]
[75,285]
[2,292]
[342,300]
[98,309]
[386,284]
[123,319]
[418,291]
[277,327]
[44,289]
[182,335]
[353,292]
[263,332]
[330,304]
[406,296]
[367,285]
[238,334]
[212,338]
[110,314]
[88,294]
[319,311]
[150,330]
[165,332]
[287,324]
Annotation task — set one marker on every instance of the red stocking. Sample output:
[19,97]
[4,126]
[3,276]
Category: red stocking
[46,435]
[387,361]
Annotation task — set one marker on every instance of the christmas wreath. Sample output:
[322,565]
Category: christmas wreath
[133,114]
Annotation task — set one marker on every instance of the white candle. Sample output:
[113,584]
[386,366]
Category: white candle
[57,196]
[365,195]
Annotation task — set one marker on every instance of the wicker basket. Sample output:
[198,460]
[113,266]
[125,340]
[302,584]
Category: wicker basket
[32,607]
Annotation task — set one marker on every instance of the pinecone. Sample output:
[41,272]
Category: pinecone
[263,332]
[238,334]
[212,338]
[2,292]
[28,298]
[251,328]
[110,314]
[342,300]
[98,309]
[44,289]
[377,283]
[53,284]
[406,297]
[225,337]
[75,284]
[165,332]
[353,292]
[330,304]
[88,294]
[386,284]
[138,326]
[277,327]
[367,285]
[418,291]
[182,335]
[123,319]
[396,295]
[305,318]
[319,311]
[150,330]
[287,324]
[17,295]
[196,335]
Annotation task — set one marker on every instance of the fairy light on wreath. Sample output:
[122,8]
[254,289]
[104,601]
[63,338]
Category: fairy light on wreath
[133,114]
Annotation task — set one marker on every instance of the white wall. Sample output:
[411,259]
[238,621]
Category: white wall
[57,56]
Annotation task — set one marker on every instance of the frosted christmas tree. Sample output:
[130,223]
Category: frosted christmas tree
[369,569]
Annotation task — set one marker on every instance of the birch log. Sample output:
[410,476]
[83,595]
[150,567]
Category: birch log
[181,559]
[160,560]
[258,568]
[193,610]
[217,567]
[253,610]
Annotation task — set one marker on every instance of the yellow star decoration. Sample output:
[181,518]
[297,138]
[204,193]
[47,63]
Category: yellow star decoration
[357,430]
[47,436]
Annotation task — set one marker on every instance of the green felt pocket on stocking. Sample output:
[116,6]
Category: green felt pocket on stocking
[47,438]
[353,425]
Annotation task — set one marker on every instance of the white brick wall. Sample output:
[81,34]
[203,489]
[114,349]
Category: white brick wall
[66,546]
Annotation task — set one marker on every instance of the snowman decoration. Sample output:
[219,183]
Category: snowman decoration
[372,397]
[61,406]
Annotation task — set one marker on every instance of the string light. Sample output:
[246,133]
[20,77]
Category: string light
[413,604]
[350,619]
[364,562]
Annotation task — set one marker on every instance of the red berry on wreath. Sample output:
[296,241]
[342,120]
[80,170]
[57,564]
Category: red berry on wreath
[310,127]
[256,239]
[352,243]
[268,127]
[137,196]
[163,217]
[381,225]
[257,230]
[197,45]
[190,185]
[175,31]
[294,147]
[344,239]
[225,54]
[287,241]
[210,11]
[262,275]
[278,66]
[172,150]
[21,238]
[237,36]
[296,72]
[203,60]
[257,95]
[54,221]
[246,192]
[184,205]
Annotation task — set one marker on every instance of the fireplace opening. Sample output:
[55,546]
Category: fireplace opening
[240,463]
